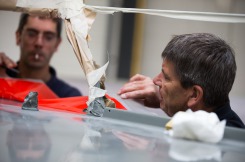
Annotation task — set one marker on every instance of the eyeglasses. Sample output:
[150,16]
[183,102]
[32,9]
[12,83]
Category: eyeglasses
[46,36]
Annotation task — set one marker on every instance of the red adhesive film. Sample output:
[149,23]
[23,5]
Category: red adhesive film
[18,89]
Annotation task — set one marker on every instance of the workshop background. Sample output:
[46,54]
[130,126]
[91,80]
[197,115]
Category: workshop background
[133,43]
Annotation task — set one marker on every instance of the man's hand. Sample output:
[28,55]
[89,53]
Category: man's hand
[5,62]
[132,142]
[141,87]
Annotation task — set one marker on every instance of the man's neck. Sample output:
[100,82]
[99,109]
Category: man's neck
[201,106]
[31,73]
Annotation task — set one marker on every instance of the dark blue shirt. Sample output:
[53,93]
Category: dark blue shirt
[232,119]
[59,87]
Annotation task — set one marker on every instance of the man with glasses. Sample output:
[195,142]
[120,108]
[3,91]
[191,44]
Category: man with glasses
[38,39]
[198,71]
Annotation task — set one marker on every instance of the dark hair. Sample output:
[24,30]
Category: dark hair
[23,21]
[203,59]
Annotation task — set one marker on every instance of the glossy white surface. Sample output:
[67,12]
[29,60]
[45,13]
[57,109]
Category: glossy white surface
[72,137]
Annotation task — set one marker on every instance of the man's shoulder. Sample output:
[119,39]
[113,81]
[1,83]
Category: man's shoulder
[61,88]
[225,112]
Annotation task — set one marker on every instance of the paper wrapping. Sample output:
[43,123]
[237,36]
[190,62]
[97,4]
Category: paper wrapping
[84,59]
[77,29]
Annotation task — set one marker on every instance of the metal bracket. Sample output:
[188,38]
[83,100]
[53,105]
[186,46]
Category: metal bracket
[31,102]
[96,107]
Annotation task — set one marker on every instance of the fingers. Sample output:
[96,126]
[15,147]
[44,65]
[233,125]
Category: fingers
[141,87]
[131,87]
[133,84]
[137,77]
[137,89]
[5,61]
[132,141]
[139,94]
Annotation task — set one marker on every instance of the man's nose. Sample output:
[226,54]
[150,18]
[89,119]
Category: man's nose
[39,40]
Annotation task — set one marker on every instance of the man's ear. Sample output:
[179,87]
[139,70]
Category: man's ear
[17,38]
[196,97]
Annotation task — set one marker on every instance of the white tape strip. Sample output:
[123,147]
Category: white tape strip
[81,28]
[93,77]
[94,93]
[69,8]
[187,15]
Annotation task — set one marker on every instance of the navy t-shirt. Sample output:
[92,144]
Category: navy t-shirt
[232,119]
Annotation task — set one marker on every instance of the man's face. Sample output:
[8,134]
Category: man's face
[173,96]
[28,142]
[38,41]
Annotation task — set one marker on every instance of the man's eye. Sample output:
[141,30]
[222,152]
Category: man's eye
[32,33]
[49,37]
[166,77]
